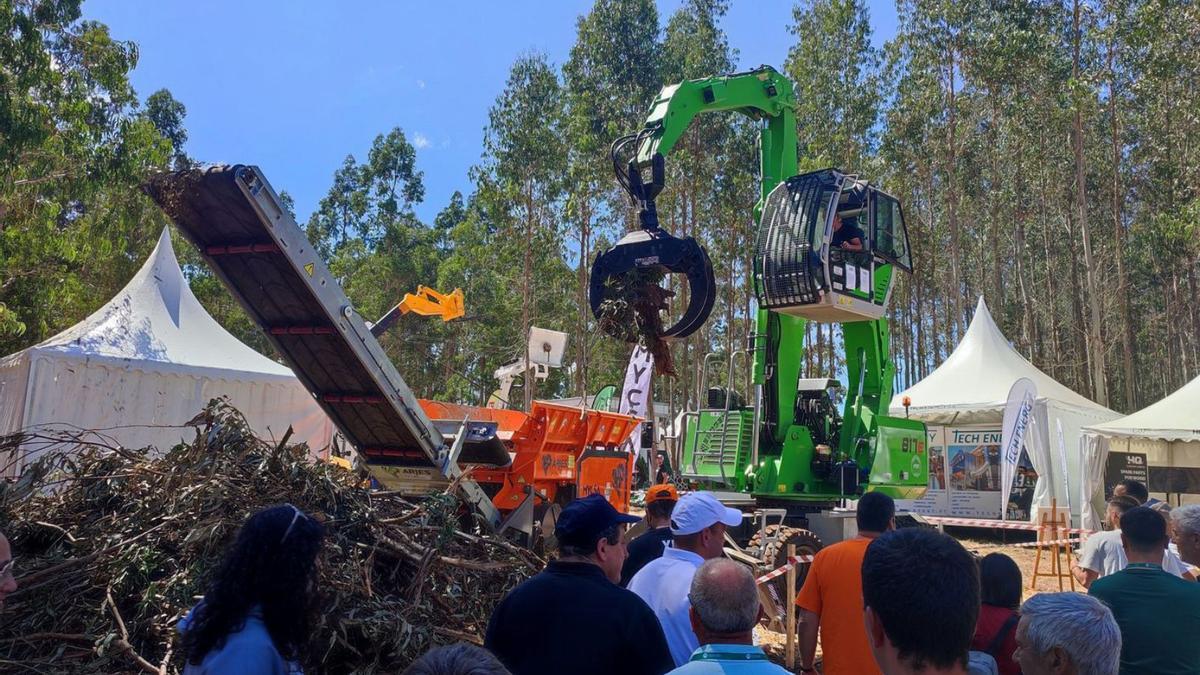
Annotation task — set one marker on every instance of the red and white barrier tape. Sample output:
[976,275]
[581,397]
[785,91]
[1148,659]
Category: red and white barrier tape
[961,522]
[1033,544]
[792,562]
[1003,525]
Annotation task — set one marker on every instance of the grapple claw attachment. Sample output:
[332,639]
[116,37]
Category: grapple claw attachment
[656,251]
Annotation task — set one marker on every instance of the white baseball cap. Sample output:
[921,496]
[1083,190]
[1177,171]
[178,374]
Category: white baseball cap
[696,511]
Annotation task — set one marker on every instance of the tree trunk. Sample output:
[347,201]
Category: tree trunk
[958,323]
[1081,376]
[1127,355]
[994,208]
[1095,339]
[924,306]
[1028,325]
[1055,351]
[527,296]
[1193,294]
[833,342]
[581,323]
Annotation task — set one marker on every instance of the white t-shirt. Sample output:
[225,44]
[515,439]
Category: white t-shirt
[664,584]
[1103,553]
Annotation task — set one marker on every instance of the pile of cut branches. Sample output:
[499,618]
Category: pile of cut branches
[631,311]
[114,546]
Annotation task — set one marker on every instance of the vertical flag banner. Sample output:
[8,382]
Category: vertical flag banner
[635,397]
[1017,414]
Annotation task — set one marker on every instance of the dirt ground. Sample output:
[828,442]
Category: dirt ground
[980,542]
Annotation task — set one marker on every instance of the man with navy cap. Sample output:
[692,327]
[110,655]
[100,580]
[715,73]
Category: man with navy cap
[698,533]
[573,617]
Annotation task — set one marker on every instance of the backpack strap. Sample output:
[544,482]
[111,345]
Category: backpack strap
[1001,634]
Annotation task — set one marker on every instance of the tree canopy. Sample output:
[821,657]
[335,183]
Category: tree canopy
[1046,155]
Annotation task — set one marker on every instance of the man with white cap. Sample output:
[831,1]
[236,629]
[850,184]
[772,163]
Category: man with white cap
[698,526]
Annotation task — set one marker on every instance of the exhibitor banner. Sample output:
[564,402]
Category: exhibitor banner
[1016,422]
[964,476]
[973,456]
[635,396]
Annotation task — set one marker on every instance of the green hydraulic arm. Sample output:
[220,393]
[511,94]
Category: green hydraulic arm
[761,94]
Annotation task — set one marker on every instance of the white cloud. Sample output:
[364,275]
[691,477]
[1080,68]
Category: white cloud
[420,141]
[420,84]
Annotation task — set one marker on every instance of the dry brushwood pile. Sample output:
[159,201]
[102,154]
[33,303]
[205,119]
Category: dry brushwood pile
[630,311]
[114,546]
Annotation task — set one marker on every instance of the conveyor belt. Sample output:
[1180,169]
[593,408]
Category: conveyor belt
[237,222]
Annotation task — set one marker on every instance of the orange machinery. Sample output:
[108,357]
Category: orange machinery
[558,452]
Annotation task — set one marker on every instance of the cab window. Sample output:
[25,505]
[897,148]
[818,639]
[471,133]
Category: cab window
[890,237]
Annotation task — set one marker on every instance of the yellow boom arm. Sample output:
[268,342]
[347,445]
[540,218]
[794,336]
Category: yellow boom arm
[426,302]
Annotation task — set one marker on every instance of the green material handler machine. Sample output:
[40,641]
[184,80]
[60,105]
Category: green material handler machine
[788,451]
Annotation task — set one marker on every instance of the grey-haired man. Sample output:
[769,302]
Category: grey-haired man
[1186,538]
[1067,634]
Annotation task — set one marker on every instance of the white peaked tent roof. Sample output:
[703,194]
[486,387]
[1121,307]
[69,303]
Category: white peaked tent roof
[157,318]
[972,384]
[1175,418]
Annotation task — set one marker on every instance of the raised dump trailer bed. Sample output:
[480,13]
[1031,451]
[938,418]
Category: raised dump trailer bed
[240,227]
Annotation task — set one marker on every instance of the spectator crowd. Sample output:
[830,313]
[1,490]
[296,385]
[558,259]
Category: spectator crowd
[893,601]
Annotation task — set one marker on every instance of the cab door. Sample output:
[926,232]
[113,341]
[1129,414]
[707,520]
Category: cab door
[889,237]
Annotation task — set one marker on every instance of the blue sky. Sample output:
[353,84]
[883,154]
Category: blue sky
[296,86]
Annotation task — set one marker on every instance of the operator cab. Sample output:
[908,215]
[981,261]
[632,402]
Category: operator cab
[798,269]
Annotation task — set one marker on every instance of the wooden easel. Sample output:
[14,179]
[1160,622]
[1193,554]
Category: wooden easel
[1054,528]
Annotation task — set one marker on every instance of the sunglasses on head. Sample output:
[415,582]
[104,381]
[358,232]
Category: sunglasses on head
[298,514]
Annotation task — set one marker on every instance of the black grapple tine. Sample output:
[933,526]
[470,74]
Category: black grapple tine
[702,286]
[645,249]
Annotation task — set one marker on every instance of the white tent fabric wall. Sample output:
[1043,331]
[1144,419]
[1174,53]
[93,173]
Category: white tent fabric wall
[1093,455]
[1167,432]
[1045,455]
[970,388]
[14,376]
[146,363]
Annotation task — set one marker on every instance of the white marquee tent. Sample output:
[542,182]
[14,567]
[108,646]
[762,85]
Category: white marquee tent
[144,364]
[1167,432]
[971,389]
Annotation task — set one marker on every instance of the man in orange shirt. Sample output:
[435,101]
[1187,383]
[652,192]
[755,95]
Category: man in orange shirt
[832,598]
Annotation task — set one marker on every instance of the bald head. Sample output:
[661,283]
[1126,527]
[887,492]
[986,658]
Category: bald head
[724,596]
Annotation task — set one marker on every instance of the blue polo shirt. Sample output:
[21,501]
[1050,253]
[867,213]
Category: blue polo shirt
[729,660]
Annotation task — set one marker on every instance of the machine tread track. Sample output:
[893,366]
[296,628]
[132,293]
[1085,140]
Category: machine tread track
[775,556]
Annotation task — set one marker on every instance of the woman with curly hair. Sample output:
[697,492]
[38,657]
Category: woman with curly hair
[255,617]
